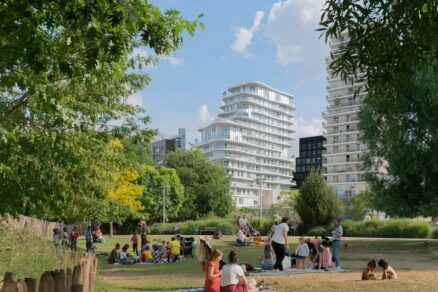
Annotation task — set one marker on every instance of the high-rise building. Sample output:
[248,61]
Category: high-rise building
[252,137]
[311,151]
[159,148]
[344,146]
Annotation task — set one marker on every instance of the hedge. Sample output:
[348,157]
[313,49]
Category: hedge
[192,227]
[393,228]
[262,225]
[435,233]
[317,231]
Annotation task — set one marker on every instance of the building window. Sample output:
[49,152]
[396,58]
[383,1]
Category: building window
[240,200]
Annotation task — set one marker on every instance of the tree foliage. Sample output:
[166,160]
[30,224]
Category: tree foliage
[317,203]
[206,184]
[359,205]
[395,45]
[67,69]
[154,181]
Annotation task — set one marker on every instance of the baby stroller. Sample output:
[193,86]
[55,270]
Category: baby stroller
[187,246]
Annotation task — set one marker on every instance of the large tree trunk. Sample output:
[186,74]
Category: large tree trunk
[111,229]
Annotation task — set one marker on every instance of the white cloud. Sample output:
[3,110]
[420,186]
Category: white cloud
[306,128]
[136,99]
[173,60]
[244,36]
[142,52]
[291,27]
[203,116]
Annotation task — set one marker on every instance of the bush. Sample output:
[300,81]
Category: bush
[435,233]
[262,225]
[317,231]
[393,228]
[192,227]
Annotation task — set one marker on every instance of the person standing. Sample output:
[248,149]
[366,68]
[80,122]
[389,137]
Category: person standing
[336,240]
[279,242]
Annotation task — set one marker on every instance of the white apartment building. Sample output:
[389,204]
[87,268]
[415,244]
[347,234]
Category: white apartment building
[344,147]
[252,137]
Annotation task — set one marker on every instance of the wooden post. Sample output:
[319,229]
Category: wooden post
[76,288]
[47,283]
[21,286]
[111,229]
[60,281]
[31,285]
[69,277]
[9,283]
[76,279]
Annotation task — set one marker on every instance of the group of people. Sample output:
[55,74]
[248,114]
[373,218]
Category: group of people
[387,274]
[61,236]
[244,231]
[155,252]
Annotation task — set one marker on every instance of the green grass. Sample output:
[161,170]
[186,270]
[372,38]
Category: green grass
[188,273]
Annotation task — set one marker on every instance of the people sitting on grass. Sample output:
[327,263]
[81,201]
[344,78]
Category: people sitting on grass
[213,273]
[114,255]
[233,278]
[242,239]
[267,261]
[123,256]
[301,253]
[388,272]
[175,250]
[325,260]
[146,255]
[368,273]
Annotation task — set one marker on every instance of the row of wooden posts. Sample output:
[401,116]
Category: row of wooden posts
[80,279]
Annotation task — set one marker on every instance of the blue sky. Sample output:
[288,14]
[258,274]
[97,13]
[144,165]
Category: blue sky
[269,41]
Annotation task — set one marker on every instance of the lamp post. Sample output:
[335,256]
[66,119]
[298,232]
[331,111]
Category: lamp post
[260,180]
[164,204]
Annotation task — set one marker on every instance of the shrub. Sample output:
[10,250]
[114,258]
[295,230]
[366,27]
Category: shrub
[262,225]
[435,233]
[317,231]
[192,227]
[397,228]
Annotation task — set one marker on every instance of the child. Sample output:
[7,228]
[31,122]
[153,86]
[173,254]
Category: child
[146,255]
[388,271]
[175,249]
[134,240]
[368,272]
[267,261]
[301,253]
[325,260]
[74,239]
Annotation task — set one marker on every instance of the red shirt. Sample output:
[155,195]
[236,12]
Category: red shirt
[213,285]
[134,239]
[74,235]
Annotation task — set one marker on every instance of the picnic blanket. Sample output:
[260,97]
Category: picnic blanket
[296,272]
[265,288]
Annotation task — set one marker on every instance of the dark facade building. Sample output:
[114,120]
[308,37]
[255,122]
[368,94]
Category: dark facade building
[159,148]
[311,150]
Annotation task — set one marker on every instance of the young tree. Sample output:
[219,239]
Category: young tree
[317,203]
[154,181]
[359,205]
[206,184]
[395,45]
[67,69]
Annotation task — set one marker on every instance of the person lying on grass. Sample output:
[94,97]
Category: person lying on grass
[388,272]
[368,272]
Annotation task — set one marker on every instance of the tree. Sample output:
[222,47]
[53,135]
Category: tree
[317,203]
[286,200]
[206,184]
[67,69]
[395,45]
[125,191]
[359,205]
[152,198]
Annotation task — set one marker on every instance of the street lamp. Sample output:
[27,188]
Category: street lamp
[164,204]
[260,181]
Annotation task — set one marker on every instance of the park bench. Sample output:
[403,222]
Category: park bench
[207,230]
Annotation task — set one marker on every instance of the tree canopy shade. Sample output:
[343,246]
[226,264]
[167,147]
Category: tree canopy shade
[206,184]
[395,45]
[317,203]
[67,69]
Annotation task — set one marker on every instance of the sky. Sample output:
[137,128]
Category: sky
[274,42]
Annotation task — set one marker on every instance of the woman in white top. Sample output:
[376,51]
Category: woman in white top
[233,278]
[279,242]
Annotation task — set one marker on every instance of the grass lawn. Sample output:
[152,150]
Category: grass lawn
[415,260]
